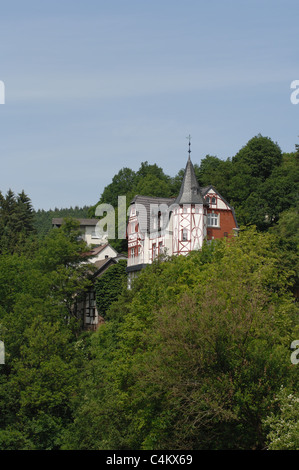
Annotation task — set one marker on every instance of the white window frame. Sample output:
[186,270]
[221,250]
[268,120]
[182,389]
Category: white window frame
[213,219]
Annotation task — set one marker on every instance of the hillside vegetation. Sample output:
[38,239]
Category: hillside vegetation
[195,356]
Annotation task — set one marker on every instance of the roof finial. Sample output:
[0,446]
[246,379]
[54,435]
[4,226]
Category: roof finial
[189,151]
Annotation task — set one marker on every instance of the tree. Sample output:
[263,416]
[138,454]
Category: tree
[43,219]
[122,184]
[217,172]
[283,424]
[191,356]
[109,286]
[151,185]
[261,155]
[25,214]
[43,354]
[16,220]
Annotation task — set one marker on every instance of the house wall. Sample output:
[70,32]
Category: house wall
[89,234]
[226,225]
[144,245]
[107,252]
[189,221]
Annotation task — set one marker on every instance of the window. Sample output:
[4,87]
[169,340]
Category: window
[159,220]
[213,220]
[90,305]
[213,200]
[184,235]
[132,252]
[154,248]
[94,234]
[160,247]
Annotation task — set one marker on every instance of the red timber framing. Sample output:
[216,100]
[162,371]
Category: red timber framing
[221,220]
[189,228]
[184,230]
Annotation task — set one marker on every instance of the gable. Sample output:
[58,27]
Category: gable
[220,203]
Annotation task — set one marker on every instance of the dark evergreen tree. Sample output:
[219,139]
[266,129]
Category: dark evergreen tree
[25,213]
[16,220]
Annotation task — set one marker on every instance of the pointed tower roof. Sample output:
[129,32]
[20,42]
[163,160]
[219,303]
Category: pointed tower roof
[190,192]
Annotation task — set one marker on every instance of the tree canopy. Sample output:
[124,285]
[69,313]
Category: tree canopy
[192,356]
[196,355]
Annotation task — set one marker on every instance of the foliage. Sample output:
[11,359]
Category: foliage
[283,424]
[191,356]
[109,286]
[16,220]
[43,218]
[260,182]
[261,155]
[42,359]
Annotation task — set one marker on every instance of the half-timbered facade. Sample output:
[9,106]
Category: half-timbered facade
[176,226]
[221,219]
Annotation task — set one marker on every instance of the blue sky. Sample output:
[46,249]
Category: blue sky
[95,86]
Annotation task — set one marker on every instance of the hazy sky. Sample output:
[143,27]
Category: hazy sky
[94,86]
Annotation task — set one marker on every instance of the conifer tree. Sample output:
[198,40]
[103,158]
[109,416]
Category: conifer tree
[16,220]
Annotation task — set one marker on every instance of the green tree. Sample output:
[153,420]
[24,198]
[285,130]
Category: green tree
[283,424]
[191,356]
[16,220]
[263,183]
[153,186]
[261,155]
[43,218]
[122,184]
[41,336]
[109,286]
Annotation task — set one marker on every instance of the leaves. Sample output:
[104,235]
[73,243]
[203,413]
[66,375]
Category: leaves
[191,357]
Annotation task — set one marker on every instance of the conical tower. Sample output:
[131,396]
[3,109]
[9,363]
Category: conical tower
[189,214]
[190,192]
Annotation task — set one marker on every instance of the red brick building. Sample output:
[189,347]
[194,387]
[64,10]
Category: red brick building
[221,219]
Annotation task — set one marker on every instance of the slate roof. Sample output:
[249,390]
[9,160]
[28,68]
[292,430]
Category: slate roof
[190,192]
[143,205]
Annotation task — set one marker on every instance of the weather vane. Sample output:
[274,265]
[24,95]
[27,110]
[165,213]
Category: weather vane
[189,138]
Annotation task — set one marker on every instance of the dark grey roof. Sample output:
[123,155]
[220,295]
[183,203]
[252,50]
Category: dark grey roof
[143,205]
[205,189]
[60,220]
[190,192]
